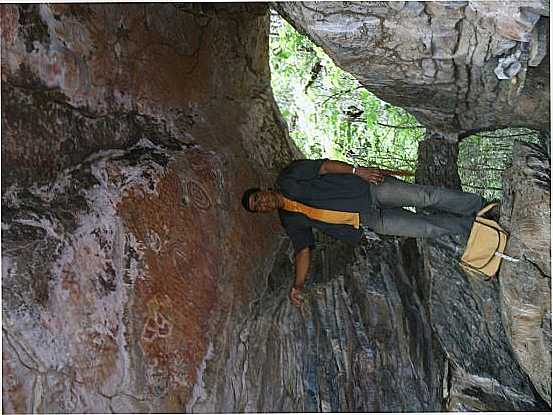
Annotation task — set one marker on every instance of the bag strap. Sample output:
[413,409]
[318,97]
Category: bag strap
[486,208]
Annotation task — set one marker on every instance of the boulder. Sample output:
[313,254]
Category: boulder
[457,66]
[525,286]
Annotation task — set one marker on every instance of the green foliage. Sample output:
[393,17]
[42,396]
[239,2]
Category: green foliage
[483,157]
[329,113]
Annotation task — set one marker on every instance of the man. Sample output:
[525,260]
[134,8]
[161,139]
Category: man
[340,200]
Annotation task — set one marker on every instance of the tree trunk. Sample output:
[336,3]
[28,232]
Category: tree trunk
[437,163]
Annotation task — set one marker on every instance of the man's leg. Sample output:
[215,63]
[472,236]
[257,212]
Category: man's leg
[393,193]
[402,222]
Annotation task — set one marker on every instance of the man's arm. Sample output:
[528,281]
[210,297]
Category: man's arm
[372,175]
[301,265]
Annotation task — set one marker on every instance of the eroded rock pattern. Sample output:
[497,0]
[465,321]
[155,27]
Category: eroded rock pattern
[361,342]
[526,285]
[129,133]
[458,66]
[104,76]
[381,330]
[472,318]
[483,374]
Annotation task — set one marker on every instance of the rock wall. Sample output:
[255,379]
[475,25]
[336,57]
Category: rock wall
[395,325]
[133,281]
[128,134]
[496,334]
[525,287]
[458,66]
[361,341]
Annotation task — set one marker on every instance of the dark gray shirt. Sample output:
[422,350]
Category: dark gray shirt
[301,181]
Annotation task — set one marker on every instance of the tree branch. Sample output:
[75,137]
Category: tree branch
[504,136]
[408,127]
[480,168]
[339,93]
[482,187]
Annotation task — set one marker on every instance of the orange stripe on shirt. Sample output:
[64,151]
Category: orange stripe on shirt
[323,215]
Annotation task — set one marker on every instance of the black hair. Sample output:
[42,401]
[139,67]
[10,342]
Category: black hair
[246,198]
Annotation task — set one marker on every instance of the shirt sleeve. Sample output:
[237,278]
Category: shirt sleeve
[301,238]
[300,233]
[302,169]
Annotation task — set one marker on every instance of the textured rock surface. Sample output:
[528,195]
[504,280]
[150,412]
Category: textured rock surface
[391,326]
[439,59]
[129,132]
[472,318]
[361,342]
[526,285]
[482,372]
[103,76]
[381,330]
[132,281]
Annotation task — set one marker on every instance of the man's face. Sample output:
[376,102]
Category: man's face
[264,201]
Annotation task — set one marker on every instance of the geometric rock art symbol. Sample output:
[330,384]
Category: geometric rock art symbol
[197,195]
[155,327]
[179,258]
[152,240]
[223,198]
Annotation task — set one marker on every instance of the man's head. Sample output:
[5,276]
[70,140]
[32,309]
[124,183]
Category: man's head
[257,200]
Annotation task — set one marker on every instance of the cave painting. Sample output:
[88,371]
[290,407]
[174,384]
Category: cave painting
[156,327]
[197,195]
[204,181]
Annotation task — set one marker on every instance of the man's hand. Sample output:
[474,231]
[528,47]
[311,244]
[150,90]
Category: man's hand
[295,296]
[301,265]
[370,174]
